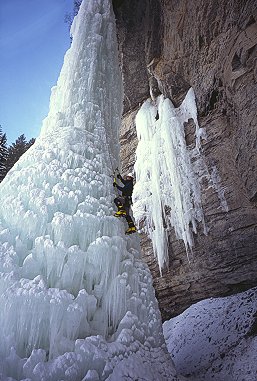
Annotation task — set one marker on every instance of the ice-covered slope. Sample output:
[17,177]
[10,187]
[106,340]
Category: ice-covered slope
[68,273]
[215,339]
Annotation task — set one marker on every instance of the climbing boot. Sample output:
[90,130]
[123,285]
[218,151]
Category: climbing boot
[131,230]
[120,213]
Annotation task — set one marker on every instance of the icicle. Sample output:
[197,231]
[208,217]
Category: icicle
[167,191]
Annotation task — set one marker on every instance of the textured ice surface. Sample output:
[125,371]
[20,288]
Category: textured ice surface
[76,301]
[167,192]
[215,339]
[215,182]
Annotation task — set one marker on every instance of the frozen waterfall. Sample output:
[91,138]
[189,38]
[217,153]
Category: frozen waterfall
[167,192]
[76,301]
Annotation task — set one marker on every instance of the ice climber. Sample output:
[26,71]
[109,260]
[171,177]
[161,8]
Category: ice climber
[124,201]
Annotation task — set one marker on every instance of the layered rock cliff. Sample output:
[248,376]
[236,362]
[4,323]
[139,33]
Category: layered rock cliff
[166,47]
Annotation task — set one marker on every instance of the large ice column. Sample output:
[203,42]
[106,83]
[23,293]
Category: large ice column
[167,191]
[67,271]
[56,203]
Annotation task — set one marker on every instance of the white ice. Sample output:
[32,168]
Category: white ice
[215,339]
[167,191]
[76,301]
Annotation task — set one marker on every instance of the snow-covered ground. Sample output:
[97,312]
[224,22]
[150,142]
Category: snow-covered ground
[216,339]
[77,303]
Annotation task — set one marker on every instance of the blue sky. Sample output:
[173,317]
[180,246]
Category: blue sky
[33,41]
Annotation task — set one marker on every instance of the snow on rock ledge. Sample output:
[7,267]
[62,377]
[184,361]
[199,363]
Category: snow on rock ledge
[215,339]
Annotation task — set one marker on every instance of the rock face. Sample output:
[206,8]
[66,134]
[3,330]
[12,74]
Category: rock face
[168,46]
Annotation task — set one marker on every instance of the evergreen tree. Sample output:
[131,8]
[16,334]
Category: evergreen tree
[70,16]
[76,6]
[16,150]
[3,154]
[30,143]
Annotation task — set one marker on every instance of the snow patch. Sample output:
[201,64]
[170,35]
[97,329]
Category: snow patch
[215,340]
